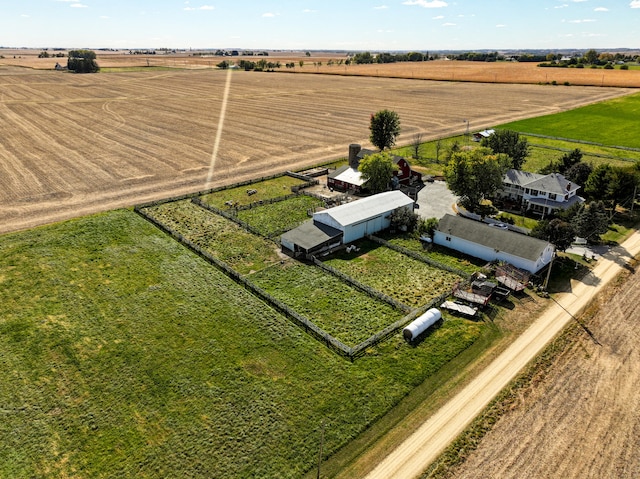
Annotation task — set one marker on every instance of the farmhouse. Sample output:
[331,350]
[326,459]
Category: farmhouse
[542,194]
[493,244]
[348,178]
[344,224]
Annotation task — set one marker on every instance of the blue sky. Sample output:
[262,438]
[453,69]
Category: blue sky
[322,24]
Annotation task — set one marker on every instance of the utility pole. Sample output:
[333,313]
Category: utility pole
[467,131]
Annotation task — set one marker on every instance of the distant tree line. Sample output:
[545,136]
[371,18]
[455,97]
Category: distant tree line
[385,57]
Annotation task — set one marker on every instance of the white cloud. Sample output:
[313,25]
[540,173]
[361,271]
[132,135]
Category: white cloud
[564,5]
[381,7]
[635,4]
[448,24]
[500,25]
[203,7]
[586,20]
[270,15]
[25,16]
[78,5]
[426,3]
[439,17]
[308,10]
[600,9]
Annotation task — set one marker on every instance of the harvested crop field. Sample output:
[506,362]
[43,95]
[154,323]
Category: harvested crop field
[76,144]
[580,419]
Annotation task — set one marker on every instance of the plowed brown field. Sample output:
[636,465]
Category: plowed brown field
[75,144]
[583,419]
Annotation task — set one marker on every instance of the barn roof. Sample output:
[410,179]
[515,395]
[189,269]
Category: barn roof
[367,208]
[515,244]
[348,175]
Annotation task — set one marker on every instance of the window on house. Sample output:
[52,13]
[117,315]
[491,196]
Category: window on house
[534,192]
[448,238]
[552,196]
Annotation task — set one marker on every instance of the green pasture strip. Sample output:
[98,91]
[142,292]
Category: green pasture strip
[436,253]
[341,310]
[220,237]
[612,123]
[126,355]
[402,278]
[265,190]
[281,216]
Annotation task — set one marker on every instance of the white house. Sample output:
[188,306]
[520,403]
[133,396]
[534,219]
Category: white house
[493,244]
[345,223]
[542,194]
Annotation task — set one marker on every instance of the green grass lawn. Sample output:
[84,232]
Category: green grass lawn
[265,190]
[613,123]
[125,355]
[275,218]
[220,237]
[401,277]
[341,310]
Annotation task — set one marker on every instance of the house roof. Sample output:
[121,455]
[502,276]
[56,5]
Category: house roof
[543,201]
[552,183]
[521,178]
[311,234]
[367,208]
[515,244]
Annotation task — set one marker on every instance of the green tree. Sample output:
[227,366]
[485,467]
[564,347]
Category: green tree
[377,170]
[557,231]
[509,143]
[591,220]
[82,61]
[579,173]
[404,219]
[622,186]
[597,185]
[591,57]
[475,175]
[384,129]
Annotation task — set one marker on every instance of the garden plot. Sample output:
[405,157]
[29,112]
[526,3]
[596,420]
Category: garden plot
[435,253]
[405,279]
[341,310]
[276,218]
[220,237]
[252,193]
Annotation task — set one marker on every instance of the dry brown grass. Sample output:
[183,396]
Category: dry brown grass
[74,144]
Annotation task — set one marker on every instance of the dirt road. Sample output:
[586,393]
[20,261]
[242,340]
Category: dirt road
[413,456]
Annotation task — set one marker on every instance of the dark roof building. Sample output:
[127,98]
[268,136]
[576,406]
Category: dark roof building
[493,244]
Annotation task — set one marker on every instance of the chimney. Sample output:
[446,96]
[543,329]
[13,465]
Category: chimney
[354,149]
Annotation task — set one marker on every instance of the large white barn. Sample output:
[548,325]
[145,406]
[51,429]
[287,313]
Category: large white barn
[493,244]
[345,223]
